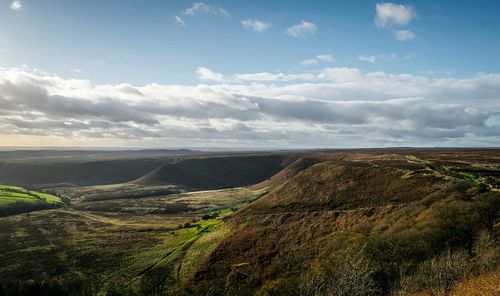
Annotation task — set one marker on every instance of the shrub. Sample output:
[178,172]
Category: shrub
[353,276]
[439,274]
[487,258]
[312,283]
[155,281]
[210,216]
[488,208]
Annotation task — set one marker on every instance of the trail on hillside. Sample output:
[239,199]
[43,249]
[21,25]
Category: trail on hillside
[184,248]
[187,245]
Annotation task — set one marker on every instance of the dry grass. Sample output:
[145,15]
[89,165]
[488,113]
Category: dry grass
[483,285]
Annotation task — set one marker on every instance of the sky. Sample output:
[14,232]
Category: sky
[249,74]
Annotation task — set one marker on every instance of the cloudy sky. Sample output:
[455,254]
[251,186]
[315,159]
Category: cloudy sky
[249,74]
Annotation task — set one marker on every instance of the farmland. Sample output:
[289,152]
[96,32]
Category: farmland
[15,199]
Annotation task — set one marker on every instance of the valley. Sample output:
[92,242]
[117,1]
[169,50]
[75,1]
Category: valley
[257,223]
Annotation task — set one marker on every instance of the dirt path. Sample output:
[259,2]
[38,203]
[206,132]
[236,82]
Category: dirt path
[107,220]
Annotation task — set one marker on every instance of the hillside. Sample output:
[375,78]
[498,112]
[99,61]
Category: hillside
[14,199]
[331,186]
[376,222]
[216,172]
[91,172]
[389,213]
[183,168]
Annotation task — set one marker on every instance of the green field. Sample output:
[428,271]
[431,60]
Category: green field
[15,200]
[13,194]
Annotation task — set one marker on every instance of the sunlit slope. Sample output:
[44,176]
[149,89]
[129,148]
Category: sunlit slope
[395,210]
[14,199]
[331,186]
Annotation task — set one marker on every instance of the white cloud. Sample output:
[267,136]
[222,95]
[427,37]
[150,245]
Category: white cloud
[76,70]
[325,58]
[302,29]
[207,74]
[395,57]
[320,58]
[255,25]
[309,62]
[200,8]
[266,76]
[341,74]
[390,14]
[16,5]
[339,107]
[365,58]
[179,21]
[404,35]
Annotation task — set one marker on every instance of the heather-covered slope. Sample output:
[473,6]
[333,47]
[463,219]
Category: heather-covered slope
[387,214]
[331,186]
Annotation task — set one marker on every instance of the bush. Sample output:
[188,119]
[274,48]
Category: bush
[72,284]
[23,207]
[439,274]
[353,276]
[312,283]
[487,258]
[210,216]
[156,281]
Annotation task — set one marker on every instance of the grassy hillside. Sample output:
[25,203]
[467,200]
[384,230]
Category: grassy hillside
[14,199]
[217,172]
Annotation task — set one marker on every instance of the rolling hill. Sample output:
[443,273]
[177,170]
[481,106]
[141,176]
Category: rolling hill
[217,172]
[389,212]
[377,222]
[14,199]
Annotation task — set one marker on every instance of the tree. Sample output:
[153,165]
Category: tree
[458,222]
[353,276]
[488,207]
[155,281]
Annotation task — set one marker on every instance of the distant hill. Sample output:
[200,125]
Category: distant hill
[217,172]
[196,169]
[76,173]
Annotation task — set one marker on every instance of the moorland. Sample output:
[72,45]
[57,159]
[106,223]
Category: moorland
[181,222]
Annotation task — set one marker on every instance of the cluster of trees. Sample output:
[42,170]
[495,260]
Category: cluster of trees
[19,207]
[211,215]
[74,284]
